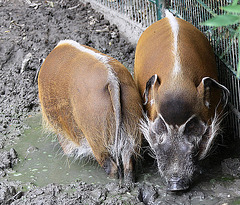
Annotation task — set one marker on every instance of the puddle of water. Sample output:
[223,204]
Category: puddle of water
[42,160]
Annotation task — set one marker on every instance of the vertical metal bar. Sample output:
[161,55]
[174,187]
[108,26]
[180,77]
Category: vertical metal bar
[135,8]
[127,7]
[150,20]
[122,6]
[160,9]
[153,13]
[148,14]
[141,13]
[145,13]
[131,9]
[235,56]
[238,91]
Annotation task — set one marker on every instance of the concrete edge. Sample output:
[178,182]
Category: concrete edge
[128,28]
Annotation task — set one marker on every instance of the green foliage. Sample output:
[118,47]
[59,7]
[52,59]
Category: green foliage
[235,2]
[232,8]
[222,20]
[231,17]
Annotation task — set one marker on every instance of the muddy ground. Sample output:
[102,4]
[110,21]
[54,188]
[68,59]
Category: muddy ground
[29,31]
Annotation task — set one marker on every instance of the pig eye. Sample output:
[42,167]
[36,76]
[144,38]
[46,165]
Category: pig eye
[159,126]
[194,127]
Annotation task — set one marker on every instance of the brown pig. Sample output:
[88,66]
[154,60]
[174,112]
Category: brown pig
[175,72]
[90,100]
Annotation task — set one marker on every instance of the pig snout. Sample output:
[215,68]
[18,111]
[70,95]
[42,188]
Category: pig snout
[178,173]
[176,164]
[175,149]
[177,184]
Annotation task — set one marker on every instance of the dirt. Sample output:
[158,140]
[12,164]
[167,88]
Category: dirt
[29,31]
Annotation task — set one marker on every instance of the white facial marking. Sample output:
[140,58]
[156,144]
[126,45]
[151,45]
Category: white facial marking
[175,29]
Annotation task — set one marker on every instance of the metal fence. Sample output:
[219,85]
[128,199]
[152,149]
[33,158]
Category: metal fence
[225,47]
[197,11]
[146,12]
[143,12]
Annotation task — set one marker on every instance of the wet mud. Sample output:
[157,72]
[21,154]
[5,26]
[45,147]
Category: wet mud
[32,167]
[41,160]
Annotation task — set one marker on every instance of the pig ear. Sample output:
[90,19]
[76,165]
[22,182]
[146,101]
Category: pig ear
[151,82]
[206,86]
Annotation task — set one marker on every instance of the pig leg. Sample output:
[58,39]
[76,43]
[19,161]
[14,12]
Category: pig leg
[110,167]
[102,156]
[128,166]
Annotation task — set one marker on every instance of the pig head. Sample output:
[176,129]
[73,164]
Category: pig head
[180,129]
[176,74]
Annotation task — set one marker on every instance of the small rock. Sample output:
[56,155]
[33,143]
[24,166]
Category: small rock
[13,153]
[231,166]
[25,62]
[147,194]
[6,192]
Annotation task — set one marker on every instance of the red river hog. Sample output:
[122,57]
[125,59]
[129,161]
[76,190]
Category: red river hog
[175,72]
[91,101]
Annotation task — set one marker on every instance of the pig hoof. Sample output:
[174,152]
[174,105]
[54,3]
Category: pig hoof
[110,168]
[177,184]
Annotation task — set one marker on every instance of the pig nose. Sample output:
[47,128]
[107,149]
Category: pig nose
[177,184]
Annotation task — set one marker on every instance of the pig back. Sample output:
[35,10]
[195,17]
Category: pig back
[73,92]
[165,44]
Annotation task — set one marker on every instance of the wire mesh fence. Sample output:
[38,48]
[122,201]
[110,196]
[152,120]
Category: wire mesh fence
[222,39]
[143,12]
[224,43]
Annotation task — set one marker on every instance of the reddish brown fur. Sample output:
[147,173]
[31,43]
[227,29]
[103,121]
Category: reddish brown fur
[154,55]
[75,100]
[176,74]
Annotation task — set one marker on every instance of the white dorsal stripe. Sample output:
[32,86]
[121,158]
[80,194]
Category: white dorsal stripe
[114,83]
[98,56]
[175,29]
